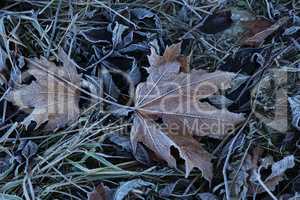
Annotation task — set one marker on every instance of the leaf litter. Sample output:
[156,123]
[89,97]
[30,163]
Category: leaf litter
[123,122]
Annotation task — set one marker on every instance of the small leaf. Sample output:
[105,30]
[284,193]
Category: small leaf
[259,30]
[128,186]
[279,167]
[109,85]
[101,192]
[217,22]
[96,35]
[277,175]
[117,32]
[29,149]
[142,13]
[172,187]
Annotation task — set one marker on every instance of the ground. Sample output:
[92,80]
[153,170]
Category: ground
[100,52]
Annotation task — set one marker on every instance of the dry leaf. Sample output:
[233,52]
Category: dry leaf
[54,95]
[259,30]
[159,141]
[246,175]
[175,98]
[101,192]
[171,56]
[277,175]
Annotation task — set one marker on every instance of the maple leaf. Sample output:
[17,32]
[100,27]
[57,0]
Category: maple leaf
[174,98]
[54,95]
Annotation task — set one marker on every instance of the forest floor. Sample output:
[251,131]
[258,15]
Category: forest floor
[90,91]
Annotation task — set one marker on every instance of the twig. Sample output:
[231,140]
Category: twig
[54,28]
[228,157]
[257,176]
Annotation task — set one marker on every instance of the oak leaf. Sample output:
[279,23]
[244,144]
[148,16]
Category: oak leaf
[53,97]
[175,99]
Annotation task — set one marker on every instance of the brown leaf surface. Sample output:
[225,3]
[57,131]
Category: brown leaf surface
[101,192]
[259,30]
[53,96]
[146,131]
[175,98]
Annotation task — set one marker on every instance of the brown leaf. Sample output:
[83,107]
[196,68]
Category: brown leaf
[259,30]
[146,131]
[175,98]
[172,57]
[101,192]
[54,94]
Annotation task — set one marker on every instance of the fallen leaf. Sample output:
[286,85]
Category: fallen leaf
[172,56]
[54,95]
[277,175]
[160,142]
[258,30]
[246,175]
[29,149]
[109,85]
[174,98]
[126,187]
[101,192]
[174,188]
[217,22]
